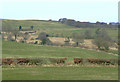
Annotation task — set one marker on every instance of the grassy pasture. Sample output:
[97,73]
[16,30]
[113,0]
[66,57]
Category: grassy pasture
[15,50]
[22,50]
[26,50]
[54,27]
[60,73]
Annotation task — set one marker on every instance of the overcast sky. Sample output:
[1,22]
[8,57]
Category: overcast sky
[80,10]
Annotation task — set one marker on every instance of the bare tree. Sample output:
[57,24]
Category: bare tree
[78,38]
[102,40]
[8,28]
[88,34]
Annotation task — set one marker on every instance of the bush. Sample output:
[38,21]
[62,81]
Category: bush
[22,41]
[57,60]
[36,42]
[88,34]
[102,40]
[53,60]
[37,61]
[103,61]
[44,38]
[114,61]
[78,38]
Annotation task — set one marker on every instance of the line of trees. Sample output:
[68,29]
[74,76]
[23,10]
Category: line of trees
[79,24]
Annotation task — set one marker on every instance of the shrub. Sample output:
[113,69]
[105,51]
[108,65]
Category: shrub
[53,60]
[78,38]
[44,38]
[102,40]
[57,60]
[37,61]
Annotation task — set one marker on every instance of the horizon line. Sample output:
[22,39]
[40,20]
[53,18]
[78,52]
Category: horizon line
[55,20]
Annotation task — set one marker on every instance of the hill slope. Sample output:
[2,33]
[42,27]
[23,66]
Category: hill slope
[16,50]
[53,27]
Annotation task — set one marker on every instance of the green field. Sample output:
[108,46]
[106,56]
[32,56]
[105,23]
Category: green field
[54,27]
[22,50]
[15,50]
[60,73]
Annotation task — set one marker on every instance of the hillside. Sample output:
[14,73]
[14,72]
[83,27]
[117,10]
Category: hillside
[53,27]
[21,50]
[36,23]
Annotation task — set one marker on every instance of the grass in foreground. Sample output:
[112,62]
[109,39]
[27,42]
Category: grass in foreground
[60,73]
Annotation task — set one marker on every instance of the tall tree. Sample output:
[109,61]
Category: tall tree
[88,34]
[102,40]
[78,38]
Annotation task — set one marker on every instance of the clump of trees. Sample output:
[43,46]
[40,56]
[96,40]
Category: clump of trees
[102,40]
[11,32]
[79,24]
[88,34]
[78,38]
[44,38]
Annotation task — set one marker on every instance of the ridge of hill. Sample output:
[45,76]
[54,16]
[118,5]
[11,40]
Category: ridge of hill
[53,27]
[36,23]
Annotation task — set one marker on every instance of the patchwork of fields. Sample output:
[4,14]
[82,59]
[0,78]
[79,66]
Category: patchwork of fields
[58,72]
[23,50]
